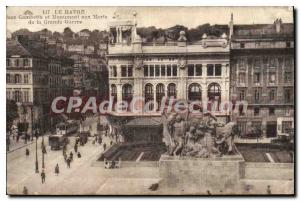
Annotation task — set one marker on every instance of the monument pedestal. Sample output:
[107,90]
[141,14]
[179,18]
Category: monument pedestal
[187,175]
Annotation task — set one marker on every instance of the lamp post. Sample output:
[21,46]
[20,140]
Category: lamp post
[43,151]
[36,153]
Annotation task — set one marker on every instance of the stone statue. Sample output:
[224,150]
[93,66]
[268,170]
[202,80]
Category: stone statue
[206,138]
[178,134]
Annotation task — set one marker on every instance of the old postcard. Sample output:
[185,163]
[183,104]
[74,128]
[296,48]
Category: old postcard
[150,100]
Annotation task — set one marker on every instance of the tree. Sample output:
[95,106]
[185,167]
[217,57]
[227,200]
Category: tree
[11,113]
[68,32]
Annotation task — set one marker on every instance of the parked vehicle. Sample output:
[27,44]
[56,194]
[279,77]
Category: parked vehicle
[56,142]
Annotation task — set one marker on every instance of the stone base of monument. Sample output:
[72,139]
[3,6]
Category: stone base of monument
[188,175]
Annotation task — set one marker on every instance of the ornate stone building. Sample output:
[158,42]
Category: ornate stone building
[262,73]
[184,70]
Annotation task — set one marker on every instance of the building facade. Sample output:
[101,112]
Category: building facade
[262,73]
[27,81]
[197,71]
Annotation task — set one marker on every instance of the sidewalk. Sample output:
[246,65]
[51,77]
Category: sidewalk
[14,145]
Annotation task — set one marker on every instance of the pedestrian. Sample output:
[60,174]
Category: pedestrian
[96,138]
[43,176]
[69,162]
[111,142]
[56,169]
[78,155]
[27,152]
[71,156]
[25,191]
[269,190]
[104,146]
[75,148]
[18,137]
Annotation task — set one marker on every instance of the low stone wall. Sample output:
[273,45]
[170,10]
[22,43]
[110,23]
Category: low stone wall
[199,175]
[269,171]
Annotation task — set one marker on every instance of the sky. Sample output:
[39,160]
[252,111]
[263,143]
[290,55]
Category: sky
[161,17]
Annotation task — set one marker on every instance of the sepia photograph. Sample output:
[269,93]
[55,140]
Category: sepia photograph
[161,100]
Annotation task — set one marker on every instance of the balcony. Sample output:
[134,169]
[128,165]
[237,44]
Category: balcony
[204,46]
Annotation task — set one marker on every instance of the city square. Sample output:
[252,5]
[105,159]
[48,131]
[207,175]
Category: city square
[140,110]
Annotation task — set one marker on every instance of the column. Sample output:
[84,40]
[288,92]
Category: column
[154,98]
[204,83]
[119,92]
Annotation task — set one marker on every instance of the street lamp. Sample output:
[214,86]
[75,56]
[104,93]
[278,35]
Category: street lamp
[43,151]
[36,152]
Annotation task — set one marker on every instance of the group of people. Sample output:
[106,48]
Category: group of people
[69,159]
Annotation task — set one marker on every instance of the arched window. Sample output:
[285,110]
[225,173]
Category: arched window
[149,94]
[127,92]
[160,93]
[214,93]
[172,90]
[194,92]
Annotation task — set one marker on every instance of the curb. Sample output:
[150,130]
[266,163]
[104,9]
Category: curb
[20,147]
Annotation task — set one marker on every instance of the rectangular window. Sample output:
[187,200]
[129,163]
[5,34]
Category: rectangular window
[25,78]
[198,69]
[174,68]
[114,69]
[257,63]
[25,62]
[242,78]
[151,70]
[287,95]
[17,62]
[287,126]
[123,71]
[287,77]
[256,111]
[146,71]
[272,94]
[271,111]
[163,70]
[288,44]
[7,62]
[210,69]
[169,70]
[218,70]
[26,96]
[242,45]
[272,78]
[191,70]
[242,95]
[256,95]
[157,69]
[256,77]
[130,68]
